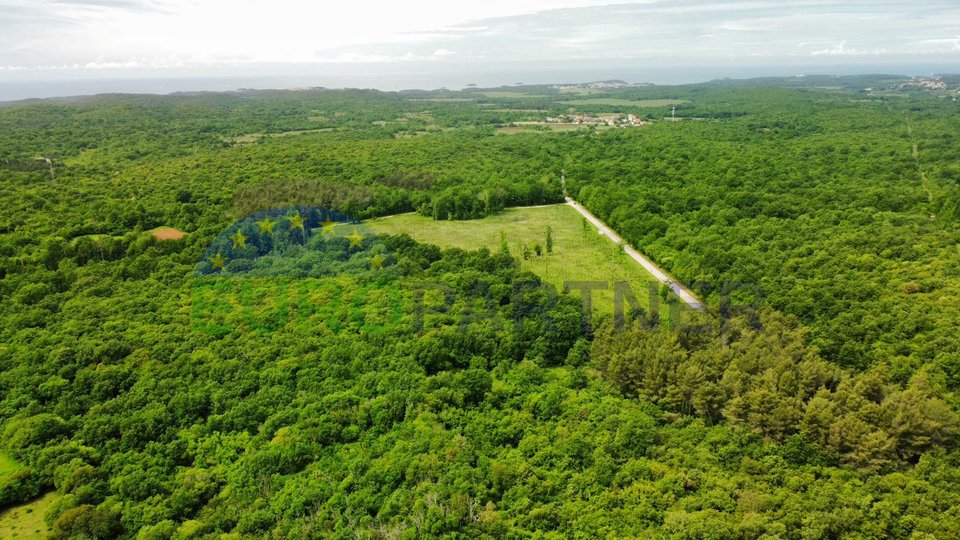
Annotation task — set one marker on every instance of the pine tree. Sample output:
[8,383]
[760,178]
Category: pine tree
[549,240]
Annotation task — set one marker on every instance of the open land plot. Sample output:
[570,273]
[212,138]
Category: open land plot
[25,521]
[643,103]
[579,253]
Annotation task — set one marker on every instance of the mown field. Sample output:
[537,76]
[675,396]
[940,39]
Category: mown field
[579,253]
[509,94]
[645,103]
[26,521]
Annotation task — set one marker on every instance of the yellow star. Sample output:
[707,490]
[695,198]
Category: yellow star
[328,225]
[377,261]
[296,222]
[355,239]
[218,261]
[239,240]
[266,226]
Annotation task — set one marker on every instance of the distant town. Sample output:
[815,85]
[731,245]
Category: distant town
[927,83]
[598,85]
[598,120]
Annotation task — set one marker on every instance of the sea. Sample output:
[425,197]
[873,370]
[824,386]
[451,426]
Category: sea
[19,86]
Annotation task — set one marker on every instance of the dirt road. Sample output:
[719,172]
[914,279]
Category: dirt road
[681,291]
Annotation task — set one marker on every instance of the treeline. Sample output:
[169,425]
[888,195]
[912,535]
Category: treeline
[464,202]
[768,379]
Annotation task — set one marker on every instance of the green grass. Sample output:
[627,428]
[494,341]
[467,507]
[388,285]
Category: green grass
[26,520]
[578,254]
[645,103]
[510,94]
[443,100]
[8,465]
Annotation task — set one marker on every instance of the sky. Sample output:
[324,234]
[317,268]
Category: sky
[157,38]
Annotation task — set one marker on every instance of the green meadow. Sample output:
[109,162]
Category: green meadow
[579,253]
[644,103]
[25,521]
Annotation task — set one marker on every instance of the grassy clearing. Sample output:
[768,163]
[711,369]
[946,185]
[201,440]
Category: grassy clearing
[644,103]
[25,522]
[443,99]
[510,94]
[578,254]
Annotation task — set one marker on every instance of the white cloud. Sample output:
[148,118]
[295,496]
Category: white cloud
[359,58]
[942,44]
[355,57]
[841,49]
[159,34]
[49,31]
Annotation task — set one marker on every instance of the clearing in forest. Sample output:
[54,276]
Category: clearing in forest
[25,521]
[627,102]
[510,94]
[167,233]
[579,253]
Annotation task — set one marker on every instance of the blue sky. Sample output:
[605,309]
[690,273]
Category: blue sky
[156,37]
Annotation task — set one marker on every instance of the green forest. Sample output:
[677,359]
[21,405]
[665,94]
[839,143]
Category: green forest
[200,338]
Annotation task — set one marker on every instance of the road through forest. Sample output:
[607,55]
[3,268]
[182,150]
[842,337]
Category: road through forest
[682,292]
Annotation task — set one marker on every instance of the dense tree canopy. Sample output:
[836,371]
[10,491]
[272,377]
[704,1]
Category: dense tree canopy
[310,388]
